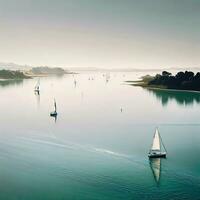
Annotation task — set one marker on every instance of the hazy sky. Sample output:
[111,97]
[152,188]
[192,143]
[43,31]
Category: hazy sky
[101,33]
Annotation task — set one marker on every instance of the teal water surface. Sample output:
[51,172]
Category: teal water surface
[97,147]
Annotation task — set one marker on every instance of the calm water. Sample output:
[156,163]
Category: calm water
[93,150]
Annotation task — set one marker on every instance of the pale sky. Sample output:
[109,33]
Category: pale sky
[101,33]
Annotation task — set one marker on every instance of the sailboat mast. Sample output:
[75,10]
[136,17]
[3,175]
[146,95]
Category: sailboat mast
[55,105]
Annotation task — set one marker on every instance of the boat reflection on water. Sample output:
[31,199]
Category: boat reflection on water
[5,83]
[55,118]
[180,97]
[155,165]
[37,93]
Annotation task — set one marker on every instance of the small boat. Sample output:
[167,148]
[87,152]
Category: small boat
[54,113]
[37,87]
[107,77]
[155,151]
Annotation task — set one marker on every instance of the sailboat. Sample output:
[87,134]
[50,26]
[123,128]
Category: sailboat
[155,151]
[54,113]
[107,77]
[37,86]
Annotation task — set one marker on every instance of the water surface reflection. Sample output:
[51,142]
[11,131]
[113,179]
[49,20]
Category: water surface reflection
[5,83]
[181,97]
[155,165]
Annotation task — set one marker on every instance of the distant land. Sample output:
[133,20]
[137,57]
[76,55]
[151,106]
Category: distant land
[10,74]
[13,66]
[48,71]
[34,72]
[187,80]
[94,69]
[15,71]
[45,70]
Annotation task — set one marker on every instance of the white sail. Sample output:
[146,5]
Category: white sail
[156,141]
[37,87]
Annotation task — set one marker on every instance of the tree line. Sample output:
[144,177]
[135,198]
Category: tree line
[182,80]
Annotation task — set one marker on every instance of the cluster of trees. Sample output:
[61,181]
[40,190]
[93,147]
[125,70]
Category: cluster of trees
[8,74]
[182,80]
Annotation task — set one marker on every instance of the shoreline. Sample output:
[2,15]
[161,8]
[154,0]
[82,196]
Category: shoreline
[160,88]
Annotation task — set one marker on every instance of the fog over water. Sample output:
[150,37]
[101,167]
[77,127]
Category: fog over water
[106,34]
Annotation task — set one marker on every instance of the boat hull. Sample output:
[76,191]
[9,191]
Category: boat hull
[53,114]
[37,90]
[157,155]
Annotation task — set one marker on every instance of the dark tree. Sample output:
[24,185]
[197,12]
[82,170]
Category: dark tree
[165,73]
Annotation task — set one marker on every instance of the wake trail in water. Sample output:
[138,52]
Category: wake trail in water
[87,148]
[48,143]
[127,157]
[106,151]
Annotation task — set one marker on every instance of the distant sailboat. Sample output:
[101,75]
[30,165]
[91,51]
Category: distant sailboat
[107,77]
[155,151]
[54,113]
[37,86]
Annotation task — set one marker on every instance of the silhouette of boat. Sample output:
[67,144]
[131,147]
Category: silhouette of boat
[54,113]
